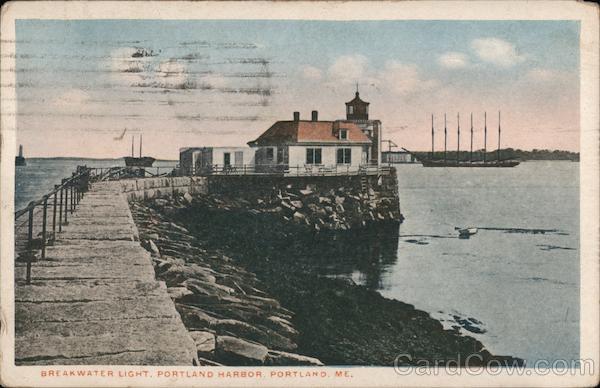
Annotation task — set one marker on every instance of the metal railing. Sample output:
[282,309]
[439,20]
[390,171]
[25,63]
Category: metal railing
[60,202]
[121,172]
[298,170]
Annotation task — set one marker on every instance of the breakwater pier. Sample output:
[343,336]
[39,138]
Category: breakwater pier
[93,299]
[205,270]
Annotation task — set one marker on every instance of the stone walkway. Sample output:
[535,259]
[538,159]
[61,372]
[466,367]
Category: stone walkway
[94,299]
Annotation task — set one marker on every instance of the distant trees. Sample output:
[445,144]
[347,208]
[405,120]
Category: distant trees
[505,153]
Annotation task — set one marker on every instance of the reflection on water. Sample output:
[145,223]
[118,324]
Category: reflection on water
[363,257]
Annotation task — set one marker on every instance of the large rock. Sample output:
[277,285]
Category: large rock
[153,248]
[194,318]
[238,328]
[297,204]
[205,343]
[281,325]
[178,292]
[299,217]
[235,351]
[188,197]
[278,358]
[177,274]
[265,303]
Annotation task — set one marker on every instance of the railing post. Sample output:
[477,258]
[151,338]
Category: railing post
[29,252]
[72,202]
[66,204]
[54,215]
[44,216]
[60,210]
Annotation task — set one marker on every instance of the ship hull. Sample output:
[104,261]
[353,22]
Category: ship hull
[441,163]
[145,161]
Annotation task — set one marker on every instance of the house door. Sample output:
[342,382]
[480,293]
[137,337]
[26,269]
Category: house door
[227,159]
[238,158]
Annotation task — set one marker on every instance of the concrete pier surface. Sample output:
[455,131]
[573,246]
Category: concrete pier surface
[94,299]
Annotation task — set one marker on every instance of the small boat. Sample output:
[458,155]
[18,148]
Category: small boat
[20,159]
[141,161]
[466,232]
[145,161]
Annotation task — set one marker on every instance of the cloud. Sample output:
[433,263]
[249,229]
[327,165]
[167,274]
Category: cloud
[453,60]
[311,72]
[497,51]
[348,68]
[402,78]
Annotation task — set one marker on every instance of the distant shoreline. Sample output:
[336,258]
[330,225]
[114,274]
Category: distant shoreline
[84,158]
[505,153]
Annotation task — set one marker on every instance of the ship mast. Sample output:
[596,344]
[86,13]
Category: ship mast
[498,137]
[140,145]
[458,140]
[445,138]
[132,146]
[471,154]
[432,134]
[484,136]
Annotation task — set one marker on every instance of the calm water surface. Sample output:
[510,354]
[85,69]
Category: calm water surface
[39,176]
[511,286]
[521,287]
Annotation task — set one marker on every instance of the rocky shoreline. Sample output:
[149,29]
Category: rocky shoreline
[232,321]
[285,311]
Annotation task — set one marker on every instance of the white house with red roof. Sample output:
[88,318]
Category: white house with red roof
[314,144]
[311,144]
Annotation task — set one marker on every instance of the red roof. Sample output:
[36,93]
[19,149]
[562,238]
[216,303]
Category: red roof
[302,131]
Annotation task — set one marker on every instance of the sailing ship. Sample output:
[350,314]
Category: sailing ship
[141,161]
[445,162]
[20,159]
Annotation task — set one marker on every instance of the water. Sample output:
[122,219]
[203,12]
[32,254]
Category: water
[523,287]
[515,290]
[39,176]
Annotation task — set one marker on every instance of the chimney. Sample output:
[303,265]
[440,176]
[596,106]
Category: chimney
[296,116]
[315,115]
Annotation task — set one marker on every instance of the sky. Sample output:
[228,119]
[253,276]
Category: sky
[80,83]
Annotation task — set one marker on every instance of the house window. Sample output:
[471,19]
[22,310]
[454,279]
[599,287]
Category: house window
[350,109]
[270,154]
[344,156]
[343,134]
[313,156]
[227,159]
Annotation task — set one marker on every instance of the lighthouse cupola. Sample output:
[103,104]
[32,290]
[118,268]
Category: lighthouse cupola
[357,109]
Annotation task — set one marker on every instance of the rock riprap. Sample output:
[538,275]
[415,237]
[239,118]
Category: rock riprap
[232,321]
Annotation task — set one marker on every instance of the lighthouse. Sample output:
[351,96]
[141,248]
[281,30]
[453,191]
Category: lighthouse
[357,111]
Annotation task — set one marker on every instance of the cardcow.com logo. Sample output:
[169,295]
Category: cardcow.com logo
[474,364]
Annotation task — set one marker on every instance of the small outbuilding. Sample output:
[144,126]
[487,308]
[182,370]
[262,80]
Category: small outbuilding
[211,160]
